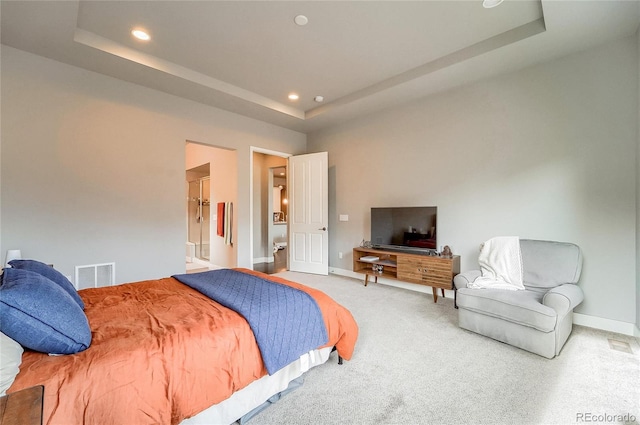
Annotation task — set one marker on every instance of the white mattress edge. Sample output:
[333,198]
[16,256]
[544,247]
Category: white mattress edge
[253,395]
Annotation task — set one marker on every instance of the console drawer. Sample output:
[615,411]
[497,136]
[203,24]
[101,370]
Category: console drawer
[436,272]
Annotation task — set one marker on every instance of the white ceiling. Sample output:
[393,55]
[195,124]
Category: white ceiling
[361,56]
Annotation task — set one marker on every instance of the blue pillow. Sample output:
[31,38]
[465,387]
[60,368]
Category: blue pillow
[51,274]
[40,315]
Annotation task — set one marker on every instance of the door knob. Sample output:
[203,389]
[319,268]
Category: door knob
[324,229]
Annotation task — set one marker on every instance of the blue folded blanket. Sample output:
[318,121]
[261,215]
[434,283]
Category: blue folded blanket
[286,322]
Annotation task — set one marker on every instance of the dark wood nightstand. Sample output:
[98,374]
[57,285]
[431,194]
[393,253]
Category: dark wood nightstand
[23,407]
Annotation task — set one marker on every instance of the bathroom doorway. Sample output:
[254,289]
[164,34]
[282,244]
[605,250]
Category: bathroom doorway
[277,216]
[270,213]
[279,230]
[199,213]
[211,182]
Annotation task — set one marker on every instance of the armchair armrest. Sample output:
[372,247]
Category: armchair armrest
[563,298]
[461,280]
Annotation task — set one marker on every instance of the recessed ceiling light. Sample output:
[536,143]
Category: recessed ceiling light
[488,4]
[293,96]
[141,35]
[319,99]
[301,20]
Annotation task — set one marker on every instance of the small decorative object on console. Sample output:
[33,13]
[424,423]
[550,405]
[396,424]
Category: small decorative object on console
[446,252]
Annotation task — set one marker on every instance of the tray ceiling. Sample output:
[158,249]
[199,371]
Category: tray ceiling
[360,56]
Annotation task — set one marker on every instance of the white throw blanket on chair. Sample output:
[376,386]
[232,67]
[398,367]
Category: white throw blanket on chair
[500,264]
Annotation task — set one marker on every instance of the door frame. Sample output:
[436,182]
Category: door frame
[252,150]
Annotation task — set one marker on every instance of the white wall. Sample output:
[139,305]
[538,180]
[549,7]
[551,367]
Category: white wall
[547,152]
[93,168]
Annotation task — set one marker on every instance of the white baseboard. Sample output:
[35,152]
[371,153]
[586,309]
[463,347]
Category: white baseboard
[197,260]
[610,325]
[578,319]
[263,260]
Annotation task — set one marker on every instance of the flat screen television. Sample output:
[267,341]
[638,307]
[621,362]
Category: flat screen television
[405,228]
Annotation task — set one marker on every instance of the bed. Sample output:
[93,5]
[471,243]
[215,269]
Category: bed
[162,352]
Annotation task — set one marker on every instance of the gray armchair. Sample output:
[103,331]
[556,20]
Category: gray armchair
[538,319]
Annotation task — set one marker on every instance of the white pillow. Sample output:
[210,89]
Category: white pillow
[10,359]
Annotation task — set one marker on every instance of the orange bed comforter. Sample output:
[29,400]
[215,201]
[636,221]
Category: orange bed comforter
[161,352]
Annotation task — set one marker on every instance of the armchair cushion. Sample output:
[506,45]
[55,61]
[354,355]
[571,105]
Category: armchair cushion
[548,264]
[522,307]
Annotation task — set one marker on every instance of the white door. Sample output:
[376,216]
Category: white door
[309,213]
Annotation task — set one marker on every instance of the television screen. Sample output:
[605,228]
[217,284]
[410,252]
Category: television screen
[410,228]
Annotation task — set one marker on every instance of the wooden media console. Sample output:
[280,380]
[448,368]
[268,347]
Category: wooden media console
[429,270]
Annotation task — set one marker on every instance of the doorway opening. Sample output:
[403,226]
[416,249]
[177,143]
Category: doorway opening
[277,222]
[308,210]
[270,213]
[210,220]
[198,216]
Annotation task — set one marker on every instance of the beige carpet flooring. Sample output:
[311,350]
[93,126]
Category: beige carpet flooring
[413,365]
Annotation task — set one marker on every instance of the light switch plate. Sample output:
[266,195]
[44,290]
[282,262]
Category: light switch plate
[344,217]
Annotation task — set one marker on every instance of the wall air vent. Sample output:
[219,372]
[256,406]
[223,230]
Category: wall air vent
[95,275]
